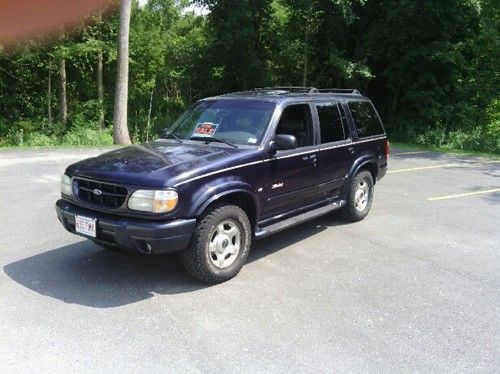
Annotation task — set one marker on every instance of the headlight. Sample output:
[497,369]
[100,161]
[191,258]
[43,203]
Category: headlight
[153,201]
[66,185]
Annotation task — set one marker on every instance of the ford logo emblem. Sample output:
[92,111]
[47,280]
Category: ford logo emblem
[96,191]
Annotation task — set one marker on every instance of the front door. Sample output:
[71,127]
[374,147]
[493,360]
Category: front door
[293,174]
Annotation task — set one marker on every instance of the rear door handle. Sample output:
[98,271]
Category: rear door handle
[351,150]
[313,159]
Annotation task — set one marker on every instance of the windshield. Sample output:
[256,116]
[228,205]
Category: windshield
[235,121]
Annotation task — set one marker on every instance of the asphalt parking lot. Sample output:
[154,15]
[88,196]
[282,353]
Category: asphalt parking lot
[414,287]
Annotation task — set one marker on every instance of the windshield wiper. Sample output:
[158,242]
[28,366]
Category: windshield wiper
[210,140]
[169,135]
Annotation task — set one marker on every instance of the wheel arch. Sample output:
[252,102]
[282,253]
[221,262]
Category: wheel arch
[239,197]
[367,162]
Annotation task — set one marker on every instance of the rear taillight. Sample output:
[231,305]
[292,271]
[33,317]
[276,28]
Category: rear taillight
[387,148]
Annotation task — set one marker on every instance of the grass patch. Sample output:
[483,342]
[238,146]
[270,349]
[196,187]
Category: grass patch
[431,148]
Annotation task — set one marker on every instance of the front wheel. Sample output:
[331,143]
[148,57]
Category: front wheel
[220,244]
[359,197]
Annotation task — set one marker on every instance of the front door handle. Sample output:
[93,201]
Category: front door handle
[311,158]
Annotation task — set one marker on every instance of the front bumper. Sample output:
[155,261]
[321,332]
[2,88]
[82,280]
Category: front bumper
[130,234]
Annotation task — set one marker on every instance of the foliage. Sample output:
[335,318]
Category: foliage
[75,136]
[86,115]
[431,67]
[82,136]
[36,139]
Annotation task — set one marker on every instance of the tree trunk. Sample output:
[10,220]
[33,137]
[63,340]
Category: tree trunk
[148,125]
[49,97]
[394,104]
[63,106]
[100,89]
[100,84]
[306,48]
[120,129]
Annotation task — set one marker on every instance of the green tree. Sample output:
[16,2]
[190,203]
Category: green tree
[417,51]
[430,66]
[237,43]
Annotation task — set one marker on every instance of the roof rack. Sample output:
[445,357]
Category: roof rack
[289,89]
[340,90]
[350,91]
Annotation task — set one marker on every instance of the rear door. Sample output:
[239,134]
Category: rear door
[336,153]
[369,132]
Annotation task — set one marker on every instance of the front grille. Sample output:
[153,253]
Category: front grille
[99,193]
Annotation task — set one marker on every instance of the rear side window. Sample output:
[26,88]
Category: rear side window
[365,119]
[330,120]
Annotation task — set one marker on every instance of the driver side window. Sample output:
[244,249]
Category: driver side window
[296,120]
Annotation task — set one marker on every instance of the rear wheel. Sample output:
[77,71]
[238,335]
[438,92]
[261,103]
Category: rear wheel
[359,197]
[220,244]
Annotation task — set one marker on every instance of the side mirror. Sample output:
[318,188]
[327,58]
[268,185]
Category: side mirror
[284,141]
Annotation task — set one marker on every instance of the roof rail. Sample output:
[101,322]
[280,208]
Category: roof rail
[348,91]
[289,89]
[340,90]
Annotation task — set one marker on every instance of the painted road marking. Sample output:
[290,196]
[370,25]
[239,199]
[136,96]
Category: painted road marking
[444,166]
[463,195]
[422,168]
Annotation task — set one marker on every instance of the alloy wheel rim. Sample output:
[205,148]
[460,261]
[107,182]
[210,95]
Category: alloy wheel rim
[225,244]
[361,195]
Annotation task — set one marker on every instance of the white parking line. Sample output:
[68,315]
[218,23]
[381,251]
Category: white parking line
[455,165]
[422,168]
[463,195]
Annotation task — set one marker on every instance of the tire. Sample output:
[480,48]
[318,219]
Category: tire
[359,197]
[220,244]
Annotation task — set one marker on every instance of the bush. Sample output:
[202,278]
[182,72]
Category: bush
[493,122]
[4,128]
[81,136]
[478,139]
[86,114]
[39,140]
[14,137]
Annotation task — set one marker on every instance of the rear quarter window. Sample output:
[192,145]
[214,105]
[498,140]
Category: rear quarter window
[365,119]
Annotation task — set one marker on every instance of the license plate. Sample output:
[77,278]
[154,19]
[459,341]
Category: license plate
[85,225]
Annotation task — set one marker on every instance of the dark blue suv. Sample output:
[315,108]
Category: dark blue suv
[231,169]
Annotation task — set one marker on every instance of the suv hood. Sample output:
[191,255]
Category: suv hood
[159,163]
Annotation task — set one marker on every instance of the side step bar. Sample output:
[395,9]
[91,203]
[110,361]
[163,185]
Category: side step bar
[262,232]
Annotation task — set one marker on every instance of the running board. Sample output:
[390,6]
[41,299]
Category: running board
[262,232]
